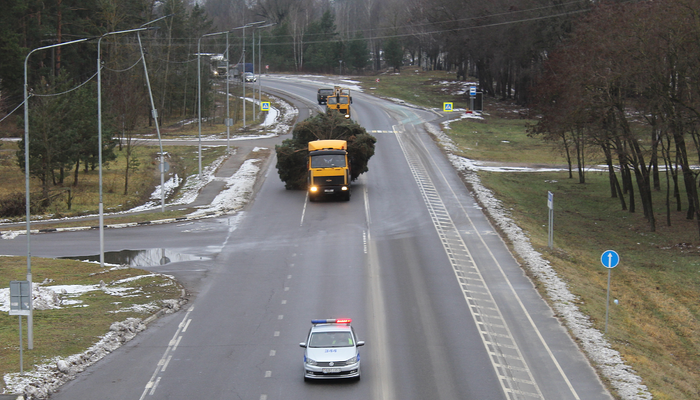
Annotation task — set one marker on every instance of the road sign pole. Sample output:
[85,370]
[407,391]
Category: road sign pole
[609,259]
[550,207]
[607,302]
[21,349]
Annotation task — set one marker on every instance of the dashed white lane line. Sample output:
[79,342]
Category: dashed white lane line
[152,384]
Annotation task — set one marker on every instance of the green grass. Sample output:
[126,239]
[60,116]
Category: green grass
[657,282]
[419,88]
[74,328]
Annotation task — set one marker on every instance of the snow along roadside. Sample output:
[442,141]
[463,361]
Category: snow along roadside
[609,361]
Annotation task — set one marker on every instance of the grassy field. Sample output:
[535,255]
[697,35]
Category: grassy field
[81,321]
[656,323]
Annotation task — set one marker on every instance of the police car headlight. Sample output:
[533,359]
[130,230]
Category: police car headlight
[351,361]
[310,361]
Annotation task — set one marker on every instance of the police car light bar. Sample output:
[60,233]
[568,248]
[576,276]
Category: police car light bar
[332,321]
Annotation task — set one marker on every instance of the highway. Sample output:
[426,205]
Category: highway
[445,310]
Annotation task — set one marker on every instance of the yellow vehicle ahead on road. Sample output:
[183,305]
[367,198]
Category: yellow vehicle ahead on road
[329,169]
[340,100]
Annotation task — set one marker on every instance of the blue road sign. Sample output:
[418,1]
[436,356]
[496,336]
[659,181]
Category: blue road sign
[472,90]
[447,106]
[610,259]
[265,106]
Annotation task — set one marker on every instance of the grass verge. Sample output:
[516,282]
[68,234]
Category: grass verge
[81,320]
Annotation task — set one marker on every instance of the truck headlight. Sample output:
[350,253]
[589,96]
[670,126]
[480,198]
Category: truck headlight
[313,189]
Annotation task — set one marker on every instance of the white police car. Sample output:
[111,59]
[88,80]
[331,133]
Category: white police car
[331,350]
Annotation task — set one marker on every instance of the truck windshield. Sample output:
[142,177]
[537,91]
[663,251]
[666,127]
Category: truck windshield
[328,161]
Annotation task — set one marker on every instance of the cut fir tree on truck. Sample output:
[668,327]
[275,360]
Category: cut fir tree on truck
[323,151]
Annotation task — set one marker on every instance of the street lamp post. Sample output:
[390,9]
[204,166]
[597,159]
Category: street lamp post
[199,88]
[99,135]
[259,63]
[250,25]
[154,112]
[30,330]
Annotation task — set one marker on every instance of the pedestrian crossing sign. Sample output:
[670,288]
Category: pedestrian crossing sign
[265,106]
[447,107]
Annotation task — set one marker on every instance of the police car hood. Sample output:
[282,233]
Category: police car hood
[330,353]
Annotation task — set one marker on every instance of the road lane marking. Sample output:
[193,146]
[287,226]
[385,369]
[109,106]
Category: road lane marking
[155,386]
[165,359]
[382,387]
[165,365]
[510,285]
[513,373]
[186,325]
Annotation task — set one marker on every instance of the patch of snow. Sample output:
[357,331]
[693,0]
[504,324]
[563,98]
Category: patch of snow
[237,191]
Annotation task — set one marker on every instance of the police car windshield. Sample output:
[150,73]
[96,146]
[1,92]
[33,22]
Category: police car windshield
[331,339]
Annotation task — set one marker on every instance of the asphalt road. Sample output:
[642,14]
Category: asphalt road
[445,310]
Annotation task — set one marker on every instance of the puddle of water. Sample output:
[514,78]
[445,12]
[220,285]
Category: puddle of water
[142,258]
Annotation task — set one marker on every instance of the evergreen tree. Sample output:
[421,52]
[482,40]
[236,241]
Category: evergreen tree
[393,53]
[357,53]
[293,153]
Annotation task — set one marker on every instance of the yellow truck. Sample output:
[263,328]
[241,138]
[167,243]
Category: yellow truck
[340,100]
[329,169]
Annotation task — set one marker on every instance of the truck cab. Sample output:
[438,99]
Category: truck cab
[340,100]
[329,169]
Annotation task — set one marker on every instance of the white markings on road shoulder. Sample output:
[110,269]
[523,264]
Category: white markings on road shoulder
[186,325]
[152,383]
[514,375]
[165,365]
[155,386]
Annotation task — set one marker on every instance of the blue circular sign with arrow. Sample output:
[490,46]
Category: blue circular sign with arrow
[610,259]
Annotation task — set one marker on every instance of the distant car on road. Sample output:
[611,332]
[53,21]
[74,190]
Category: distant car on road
[323,94]
[331,350]
[250,77]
